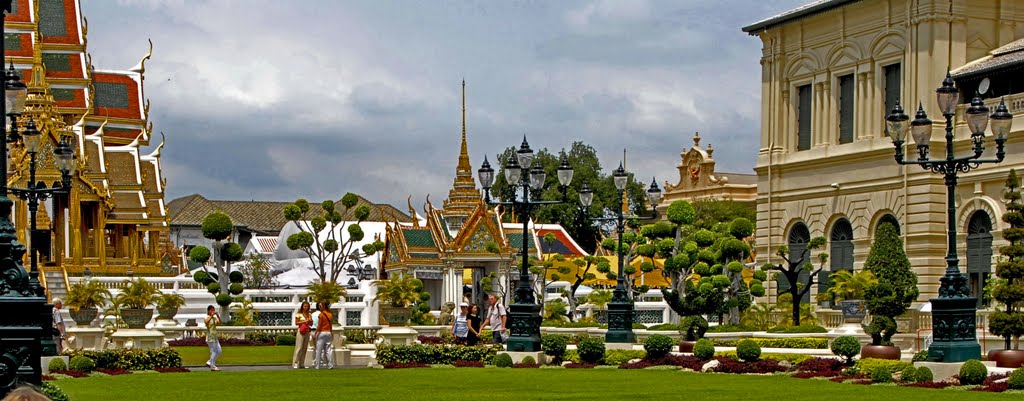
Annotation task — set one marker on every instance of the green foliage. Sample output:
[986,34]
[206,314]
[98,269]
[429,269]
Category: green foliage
[591,349]
[57,364]
[804,329]
[973,372]
[1016,379]
[1008,290]
[897,284]
[349,200]
[231,252]
[86,294]
[881,376]
[616,357]
[244,313]
[748,350]
[869,365]
[434,354]
[53,392]
[217,226]
[881,330]
[137,294]
[132,359]
[704,349]
[695,327]
[921,355]
[199,254]
[169,301]
[284,339]
[326,292]
[201,276]
[845,285]
[741,228]
[554,345]
[909,375]
[224,299]
[235,288]
[658,345]
[300,240]
[503,361]
[924,375]
[399,290]
[760,316]
[528,360]
[847,347]
[791,358]
[213,288]
[681,212]
[709,211]
[789,342]
[259,337]
[555,311]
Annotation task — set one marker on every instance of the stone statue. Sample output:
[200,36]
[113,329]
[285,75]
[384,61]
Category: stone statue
[447,318]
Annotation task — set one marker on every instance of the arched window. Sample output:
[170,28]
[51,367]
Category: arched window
[979,252]
[840,252]
[799,236]
[890,219]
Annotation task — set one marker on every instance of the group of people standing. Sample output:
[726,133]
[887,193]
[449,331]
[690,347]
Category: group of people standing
[467,325]
[317,326]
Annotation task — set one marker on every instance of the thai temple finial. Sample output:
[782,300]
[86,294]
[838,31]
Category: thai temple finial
[464,196]
[412,211]
[696,139]
[464,150]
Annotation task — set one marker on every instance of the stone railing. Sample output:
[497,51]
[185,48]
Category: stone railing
[178,332]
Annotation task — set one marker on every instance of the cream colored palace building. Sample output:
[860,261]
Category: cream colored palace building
[831,70]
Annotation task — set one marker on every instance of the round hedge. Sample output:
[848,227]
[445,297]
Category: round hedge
[528,360]
[658,345]
[924,375]
[973,372]
[881,376]
[213,288]
[284,339]
[232,252]
[704,349]
[82,363]
[554,345]
[57,364]
[235,288]
[223,299]
[1016,379]
[748,350]
[591,349]
[201,277]
[199,254]
[909,375]
[217,226]
[846,347]
[503,361]
[236,277]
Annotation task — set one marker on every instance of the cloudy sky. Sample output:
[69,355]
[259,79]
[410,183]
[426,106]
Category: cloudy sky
[273,100]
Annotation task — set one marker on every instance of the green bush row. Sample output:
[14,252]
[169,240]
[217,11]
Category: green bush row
[433,354]
[791,358]
[870,365]
[612,357]
[803,343]
[798,329]
[131,359]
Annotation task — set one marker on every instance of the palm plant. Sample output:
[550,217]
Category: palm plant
[399,291]
[87,295]
[167,304]
[327,292]
[600,298]
[137,294]
[846,285]
[761,315]
[244,313]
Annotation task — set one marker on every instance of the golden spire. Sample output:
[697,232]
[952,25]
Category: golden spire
[464,166]
[625,193]
[463,197]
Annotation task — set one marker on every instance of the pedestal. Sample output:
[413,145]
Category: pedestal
[954,322]
[540,357]
[137,339]
[87,338]
[524,327]
[620,323]
[401,335]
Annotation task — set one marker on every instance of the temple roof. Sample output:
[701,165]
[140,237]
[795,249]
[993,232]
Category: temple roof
[263,216]
[813,8]
[1007,57]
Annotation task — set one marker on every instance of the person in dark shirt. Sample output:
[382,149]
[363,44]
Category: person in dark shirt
[474,325]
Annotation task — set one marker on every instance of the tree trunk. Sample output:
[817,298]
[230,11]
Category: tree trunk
[222,278]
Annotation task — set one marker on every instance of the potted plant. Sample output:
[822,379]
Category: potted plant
[847,288]
[135,299]
[167,305]
[1008,290]
[692,328]
[890,297]
[84,299]
[397,294]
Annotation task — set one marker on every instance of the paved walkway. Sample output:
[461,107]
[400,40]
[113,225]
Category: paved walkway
[253,368]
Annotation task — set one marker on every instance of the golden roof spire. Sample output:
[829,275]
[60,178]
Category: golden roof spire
[464,151]
[463,197]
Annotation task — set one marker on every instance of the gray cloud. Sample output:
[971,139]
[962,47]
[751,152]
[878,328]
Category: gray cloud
[317,98]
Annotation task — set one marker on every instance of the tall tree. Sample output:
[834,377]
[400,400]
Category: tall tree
[329,251]
[1009,288]
[218,227]
[896,289]
[791,269]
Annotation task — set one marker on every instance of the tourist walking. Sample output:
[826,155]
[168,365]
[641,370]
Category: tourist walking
[212,320]
[323,356]
[474,325]
[59,334]
[305,322]
[460,328]
[496,315]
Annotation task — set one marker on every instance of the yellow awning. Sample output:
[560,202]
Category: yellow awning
[653,279]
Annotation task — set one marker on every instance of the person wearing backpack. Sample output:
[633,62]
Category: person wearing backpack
[460,328]
[305,322]
[496,316]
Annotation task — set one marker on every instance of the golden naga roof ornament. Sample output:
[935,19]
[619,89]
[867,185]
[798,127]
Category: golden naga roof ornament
[141,66]
[412,210]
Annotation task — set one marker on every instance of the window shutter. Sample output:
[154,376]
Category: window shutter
[804,117]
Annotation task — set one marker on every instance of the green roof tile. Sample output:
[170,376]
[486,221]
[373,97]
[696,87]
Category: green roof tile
[12,41]
[62,94]
[51,18]
[418,237]
[110,94]
[515,240]
[57,62]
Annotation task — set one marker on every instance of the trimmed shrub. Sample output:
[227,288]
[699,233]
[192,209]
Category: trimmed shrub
[235,288]
[434,354]
[881,376]
[224,299]
[132,359]
[528,360]
[800,342]
[259,337]
[869,365]
[202,277]
[591,350]
[846,347]
[1016,379]
[57,364]
[704,349]
[284,339]
[810,328]
[920,356]
[748,350]
[924,375]
[791,358]
[236,277]
[909,375]
[82,363]
[973,372]
[554,345]
[503,361]
[658,346]
[616,357]
[53,392]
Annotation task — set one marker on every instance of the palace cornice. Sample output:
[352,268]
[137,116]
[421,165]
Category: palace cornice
[62,47]
[81,83]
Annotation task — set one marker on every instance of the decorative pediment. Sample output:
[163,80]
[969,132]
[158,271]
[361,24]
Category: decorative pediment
[696,169]
[477,243]
[480,227]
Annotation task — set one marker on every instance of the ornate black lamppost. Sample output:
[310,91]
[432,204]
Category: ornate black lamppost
[620,309]
[954,312]
[524,313]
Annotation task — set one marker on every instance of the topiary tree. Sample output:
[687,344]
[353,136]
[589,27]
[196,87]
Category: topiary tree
[327,250]
[1009,288]
[218,227]
[584,263]
[896,289]
[847,347]
[793,267]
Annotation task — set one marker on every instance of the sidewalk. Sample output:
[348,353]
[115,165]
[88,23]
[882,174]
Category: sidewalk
[253,368]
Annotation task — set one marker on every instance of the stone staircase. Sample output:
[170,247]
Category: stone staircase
[55,287]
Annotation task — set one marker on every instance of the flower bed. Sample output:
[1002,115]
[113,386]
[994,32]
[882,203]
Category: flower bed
[113,372]
[405,365]
[469,364]
[433,354]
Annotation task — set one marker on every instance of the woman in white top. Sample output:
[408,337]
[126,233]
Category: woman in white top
[460,328]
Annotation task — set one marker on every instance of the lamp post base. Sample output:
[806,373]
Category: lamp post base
[620,323]
[524,327]
[954,325]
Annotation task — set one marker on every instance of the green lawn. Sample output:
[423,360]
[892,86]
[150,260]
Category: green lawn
[239,355]
[486,384]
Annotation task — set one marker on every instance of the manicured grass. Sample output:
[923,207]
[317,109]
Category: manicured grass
[489,384]
[239,355]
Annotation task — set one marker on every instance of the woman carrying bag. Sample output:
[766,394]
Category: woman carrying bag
[305,322]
